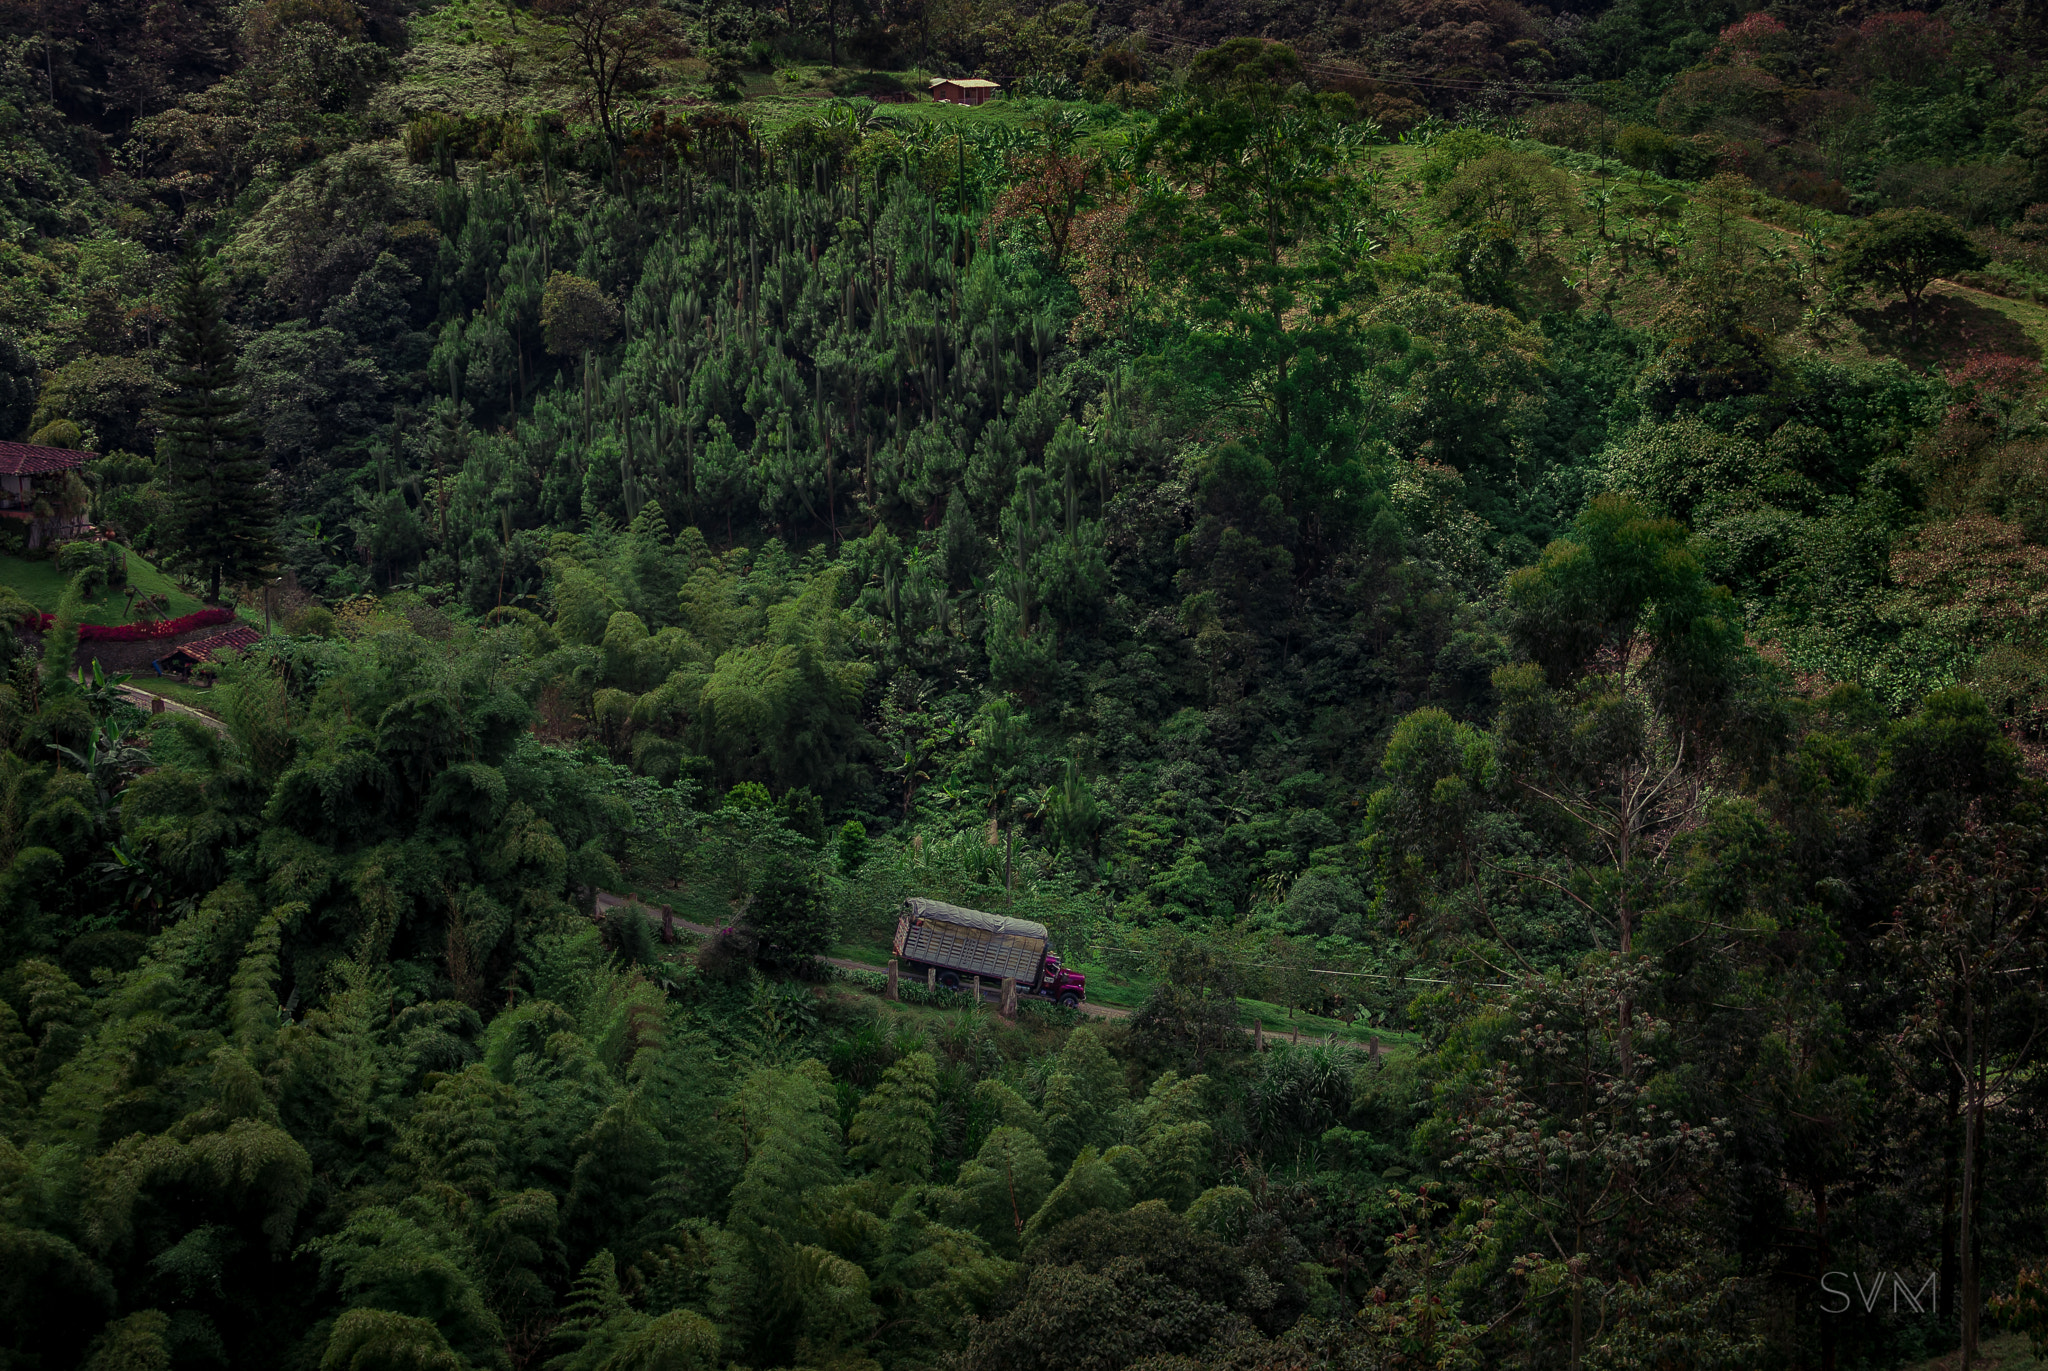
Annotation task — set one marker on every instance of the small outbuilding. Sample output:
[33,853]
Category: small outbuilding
[186,658]
[964,90]
[34,491]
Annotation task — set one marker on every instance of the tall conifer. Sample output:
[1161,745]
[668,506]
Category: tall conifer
[221,510]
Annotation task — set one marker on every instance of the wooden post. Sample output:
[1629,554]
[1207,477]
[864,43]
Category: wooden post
[668,923]
[977,992]
[890,993]
[931,979]
[1258,1035]
[1294,1040]
[1009,1009]
[1372,1048]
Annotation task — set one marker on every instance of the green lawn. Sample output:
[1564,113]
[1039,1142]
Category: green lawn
[40,583]
[180,692]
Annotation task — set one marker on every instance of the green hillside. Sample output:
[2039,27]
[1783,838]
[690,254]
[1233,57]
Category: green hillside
[1482,570]
[43,585]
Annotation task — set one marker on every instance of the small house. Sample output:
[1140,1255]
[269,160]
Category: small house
[187,658]
[33,491]
[968,90]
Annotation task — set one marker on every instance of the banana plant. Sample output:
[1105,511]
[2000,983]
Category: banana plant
[139,887]
[103,692]
[110,757]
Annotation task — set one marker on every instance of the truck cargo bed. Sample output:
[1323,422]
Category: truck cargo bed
[971,943]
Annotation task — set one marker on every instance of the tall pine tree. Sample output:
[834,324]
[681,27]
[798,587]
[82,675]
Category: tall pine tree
[221,510]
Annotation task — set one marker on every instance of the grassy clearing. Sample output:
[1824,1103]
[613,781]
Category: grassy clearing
[178,692]
[448,68]
[1104,986]
[39,582]
[1130,993]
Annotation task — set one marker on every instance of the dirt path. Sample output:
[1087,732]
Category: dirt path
[989,994]
[148,700]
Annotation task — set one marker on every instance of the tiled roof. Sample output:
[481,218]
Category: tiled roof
[235,639]
[25,459]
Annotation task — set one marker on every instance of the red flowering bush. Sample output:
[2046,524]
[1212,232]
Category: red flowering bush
[136,633]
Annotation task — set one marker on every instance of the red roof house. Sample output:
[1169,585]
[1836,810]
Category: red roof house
[32,490]
[187,656]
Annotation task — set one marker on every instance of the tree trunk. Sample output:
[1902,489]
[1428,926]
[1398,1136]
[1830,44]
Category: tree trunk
[1578,1321]
[1973,1122]
[1951,1167]
[1821,1258]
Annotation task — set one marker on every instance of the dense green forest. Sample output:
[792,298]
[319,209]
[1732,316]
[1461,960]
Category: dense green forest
[1481,567]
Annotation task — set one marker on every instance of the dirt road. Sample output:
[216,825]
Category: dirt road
[148,700]
[989,994]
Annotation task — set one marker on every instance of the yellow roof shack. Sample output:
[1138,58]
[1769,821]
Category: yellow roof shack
[967,83]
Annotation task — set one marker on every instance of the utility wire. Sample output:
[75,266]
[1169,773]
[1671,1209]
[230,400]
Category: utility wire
[1332,971]
[1391,76]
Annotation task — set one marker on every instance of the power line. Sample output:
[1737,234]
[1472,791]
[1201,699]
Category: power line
[1385,74]
[1332,971]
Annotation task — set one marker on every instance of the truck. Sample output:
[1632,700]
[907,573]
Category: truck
[957,943]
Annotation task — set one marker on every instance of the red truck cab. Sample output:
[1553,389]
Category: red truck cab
[1067,987]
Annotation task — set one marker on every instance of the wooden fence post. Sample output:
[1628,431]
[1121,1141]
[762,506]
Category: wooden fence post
[931,979]
[891,992]
[977,992]
[1009,1009]
[1258,1035]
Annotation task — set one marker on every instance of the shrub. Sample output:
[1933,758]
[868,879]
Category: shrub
[97,564]
[575,315]
[137,633]
[787,915]
[1572,124]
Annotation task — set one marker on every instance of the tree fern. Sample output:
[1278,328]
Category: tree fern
[893,1129]
[1090,1183]
[676,1341]
[139,1342]
[254,988]
[793,1148]
[383,1260]
[462,1132]
[380,1340]
[1002,1188]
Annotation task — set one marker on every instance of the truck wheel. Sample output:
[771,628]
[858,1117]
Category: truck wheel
[1071,1000]
[949,979]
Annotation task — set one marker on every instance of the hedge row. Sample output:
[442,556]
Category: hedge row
[143,632]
